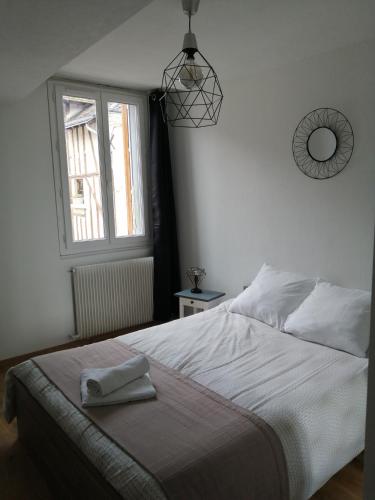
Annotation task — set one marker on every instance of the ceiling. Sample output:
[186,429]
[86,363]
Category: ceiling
[238,37]
[37,37]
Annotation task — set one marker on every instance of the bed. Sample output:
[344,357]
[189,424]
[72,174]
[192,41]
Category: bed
[312,396]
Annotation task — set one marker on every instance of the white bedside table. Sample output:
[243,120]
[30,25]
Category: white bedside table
[198,301]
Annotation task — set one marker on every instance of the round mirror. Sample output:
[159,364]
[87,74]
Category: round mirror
[322,144]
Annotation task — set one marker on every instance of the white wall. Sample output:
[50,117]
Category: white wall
[241,200]
[36,307]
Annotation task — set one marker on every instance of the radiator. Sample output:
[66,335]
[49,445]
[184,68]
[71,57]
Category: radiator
[112,296]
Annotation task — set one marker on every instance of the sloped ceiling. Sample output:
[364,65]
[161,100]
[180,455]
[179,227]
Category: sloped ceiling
[37,37]
[238,37]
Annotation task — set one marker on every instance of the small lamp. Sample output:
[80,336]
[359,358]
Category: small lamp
[196,276]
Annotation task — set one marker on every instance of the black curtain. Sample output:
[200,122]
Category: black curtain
[166,261]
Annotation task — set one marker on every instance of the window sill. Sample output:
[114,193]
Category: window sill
[145,248]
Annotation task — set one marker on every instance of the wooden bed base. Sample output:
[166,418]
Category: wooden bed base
[69,474]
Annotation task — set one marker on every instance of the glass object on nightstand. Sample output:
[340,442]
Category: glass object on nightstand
[196,276]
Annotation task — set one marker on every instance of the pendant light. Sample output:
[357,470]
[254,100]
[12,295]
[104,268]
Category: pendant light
[192,95]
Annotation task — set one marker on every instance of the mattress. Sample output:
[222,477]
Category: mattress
[313,396]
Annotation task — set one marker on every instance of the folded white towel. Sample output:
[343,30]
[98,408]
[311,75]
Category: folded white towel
[138,389]
[103,381]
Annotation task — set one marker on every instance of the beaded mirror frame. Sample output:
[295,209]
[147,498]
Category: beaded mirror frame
[338,124]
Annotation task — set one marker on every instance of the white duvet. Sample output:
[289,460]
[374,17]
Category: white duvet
[313,396]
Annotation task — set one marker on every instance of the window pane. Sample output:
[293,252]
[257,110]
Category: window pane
[124,140]
[81,138]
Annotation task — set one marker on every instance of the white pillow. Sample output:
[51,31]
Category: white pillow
[272,296]
[334,316]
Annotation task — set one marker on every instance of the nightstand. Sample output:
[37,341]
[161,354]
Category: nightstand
[198,301]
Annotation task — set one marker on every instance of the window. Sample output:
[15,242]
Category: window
[99,142]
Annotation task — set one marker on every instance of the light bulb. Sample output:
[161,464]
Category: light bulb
[191,75]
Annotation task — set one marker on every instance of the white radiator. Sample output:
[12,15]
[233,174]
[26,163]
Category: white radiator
[112,296]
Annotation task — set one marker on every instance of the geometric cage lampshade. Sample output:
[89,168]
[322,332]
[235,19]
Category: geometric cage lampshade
[196,107]
[192,95]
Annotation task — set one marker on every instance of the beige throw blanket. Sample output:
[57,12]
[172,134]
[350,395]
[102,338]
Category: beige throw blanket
[197,444]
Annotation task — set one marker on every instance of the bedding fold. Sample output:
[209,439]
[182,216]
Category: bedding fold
[195,443]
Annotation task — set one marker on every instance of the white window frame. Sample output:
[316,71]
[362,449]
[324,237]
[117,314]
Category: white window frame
[102,95]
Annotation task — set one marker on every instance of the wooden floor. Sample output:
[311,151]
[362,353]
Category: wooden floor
[20,480]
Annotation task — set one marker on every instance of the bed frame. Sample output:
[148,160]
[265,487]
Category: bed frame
[69,474]
[67,471]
